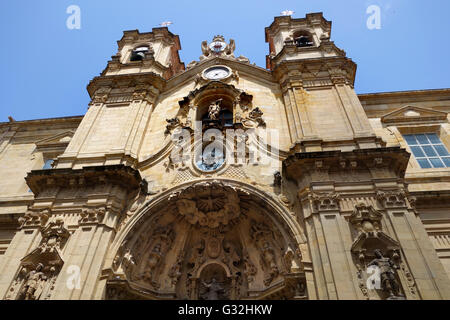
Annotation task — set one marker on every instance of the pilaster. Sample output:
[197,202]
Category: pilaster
[353,204]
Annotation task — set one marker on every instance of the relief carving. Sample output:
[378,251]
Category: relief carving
[33,283]
[263,239]
[160,243]
[249,268]
[208,204]
[254,119]
[35,218]
[175,270]
[92,215]
[40,268]
[387,270]
[392,199]
[173,123]
[324,202]
[373,248]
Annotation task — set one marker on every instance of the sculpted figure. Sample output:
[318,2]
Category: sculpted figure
[269,258]
[214,289]
[387,268]
[32,283]
[214,110]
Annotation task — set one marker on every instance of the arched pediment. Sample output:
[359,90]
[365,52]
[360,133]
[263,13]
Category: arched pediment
[210,235]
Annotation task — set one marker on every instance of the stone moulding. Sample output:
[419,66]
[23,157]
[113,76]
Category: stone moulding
[148,85]
[393,158]
[209,203]
[121,175]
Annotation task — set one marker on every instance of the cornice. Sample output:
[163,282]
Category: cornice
[394,158]
[124,176]
[75,119]
[162,33]
[311,19]
[405,97]
[340,70]
[245,68]
[145,78]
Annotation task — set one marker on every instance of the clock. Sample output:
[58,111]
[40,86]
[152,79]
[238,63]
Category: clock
[211,160]
[216,73]
[217,46]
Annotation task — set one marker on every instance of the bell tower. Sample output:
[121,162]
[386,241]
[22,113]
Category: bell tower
[355,204]
[317,81]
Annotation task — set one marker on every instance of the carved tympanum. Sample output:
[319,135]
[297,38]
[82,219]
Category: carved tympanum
[208,204]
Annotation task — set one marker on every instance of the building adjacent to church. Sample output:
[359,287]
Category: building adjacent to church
[317,186]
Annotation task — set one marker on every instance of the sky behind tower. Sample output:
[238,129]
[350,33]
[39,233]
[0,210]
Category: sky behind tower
[46,66]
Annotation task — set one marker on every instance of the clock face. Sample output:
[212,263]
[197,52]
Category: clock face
[216,73]
[211,160]
[217,46]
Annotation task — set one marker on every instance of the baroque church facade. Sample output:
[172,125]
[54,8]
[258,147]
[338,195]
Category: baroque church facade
[225,180]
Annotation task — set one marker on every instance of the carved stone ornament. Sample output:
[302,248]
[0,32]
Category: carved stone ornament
[254,119]
[367,221]
[39,269]
[99,98]
[277,178]
[372,247]
[365,218]
[324,202]
[388,279]
[152,254]
[54,236]
[35,218]
[208,204]
[392,199]
[140,95]
[214,110]
[92,215]
[173,123]
[263,238]
[217,47]
[249,268]
[213,262]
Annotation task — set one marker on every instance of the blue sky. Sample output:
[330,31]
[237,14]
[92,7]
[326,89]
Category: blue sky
[45,67]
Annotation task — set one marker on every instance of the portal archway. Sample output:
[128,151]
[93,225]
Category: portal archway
[210,239]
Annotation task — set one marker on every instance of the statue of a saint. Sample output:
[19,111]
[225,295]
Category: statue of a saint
[32,283]
[214,110]
[214,289]
[387,268]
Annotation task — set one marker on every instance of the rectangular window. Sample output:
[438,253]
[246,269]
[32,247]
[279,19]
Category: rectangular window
[428,150]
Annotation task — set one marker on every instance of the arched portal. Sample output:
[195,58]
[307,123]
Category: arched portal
[209,240]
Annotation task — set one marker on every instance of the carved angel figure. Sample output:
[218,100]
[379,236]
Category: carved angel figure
[205,50]
[229,50]
[214,110]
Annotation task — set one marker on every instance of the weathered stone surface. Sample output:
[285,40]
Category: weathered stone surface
[305,215]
